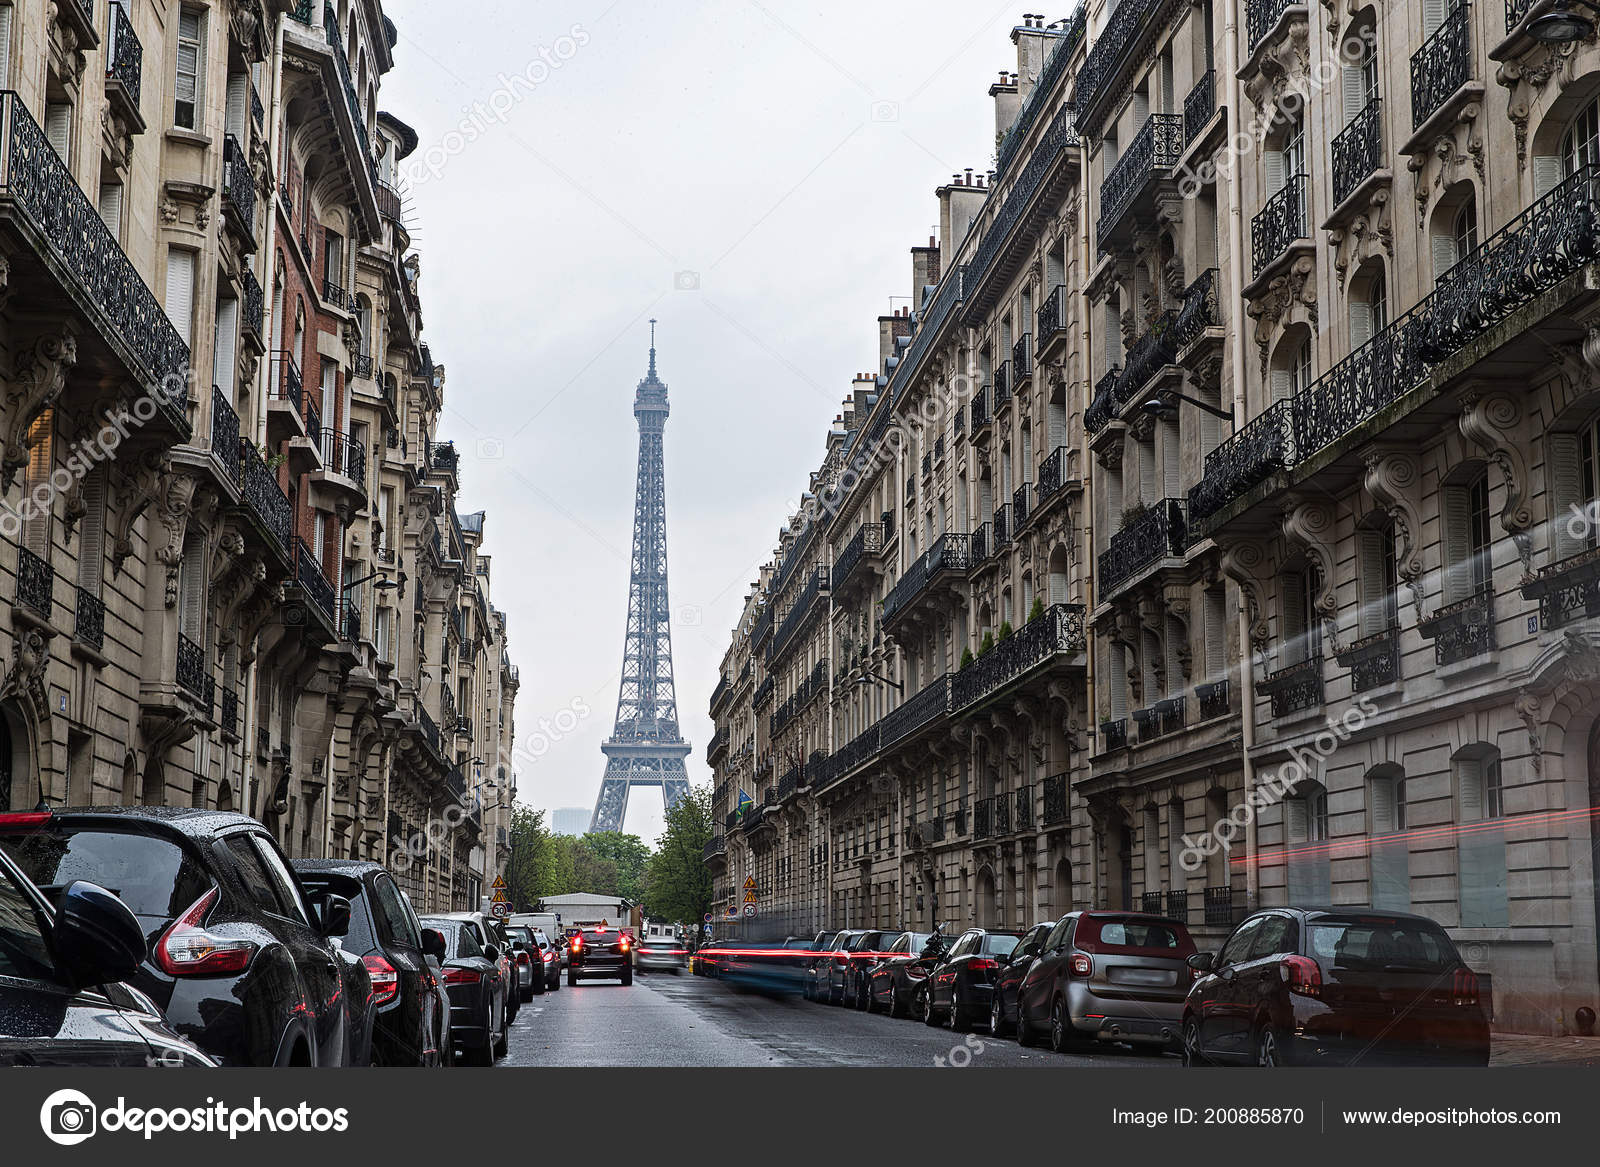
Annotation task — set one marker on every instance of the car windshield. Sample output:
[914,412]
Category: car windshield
[152,875]
[1138,934]
[1000,945]
[1381,944]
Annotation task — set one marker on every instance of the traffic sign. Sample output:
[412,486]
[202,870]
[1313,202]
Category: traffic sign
[750,910]
[708,917]
[500,909]
[499,882]
[749,883]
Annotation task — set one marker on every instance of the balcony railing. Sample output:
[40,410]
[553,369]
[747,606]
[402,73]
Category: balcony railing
[1265,444]
[1056,632]
[361,366]
[90,628]
[342,454]
[1151,353]
[1159,532]
[866,541]
[1358,150]
[763,693]
[191,673]
[1442,65]
[1022,817]
[1199,311]
[1059,137]
[1373,661]
[251,304]
[1052,316]
[1156,148]
[1465,629]
[312,581]
[950,552]
[1200,106]
[929,703]
[124,54]
[1109,49]
[334,295]
[1055,800]
[1114,735]
[1280,223]
[981,413]
[1214,699]
[286,385]
[982,544]
[263,495]
[330,27]
[36,581]
[1158,720]
[1262,16]
[1219,907]
[1022,358]
[350,621]
[1052,473]
[1103,406]
[799,613]
[1002,386]
[1021,505]
[228,713]
[225,434]
[51,207]
[1294,687]
[1055,66]
[717,845]
[238,186]
[983,824]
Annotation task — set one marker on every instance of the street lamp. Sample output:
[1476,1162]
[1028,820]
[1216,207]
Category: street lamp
[1561,25]
[383,585]
[869,678]
[1164,404]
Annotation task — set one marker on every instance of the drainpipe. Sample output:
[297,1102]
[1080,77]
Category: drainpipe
[1247,708]
[1084,523]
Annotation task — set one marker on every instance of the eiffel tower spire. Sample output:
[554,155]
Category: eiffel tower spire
[645,747]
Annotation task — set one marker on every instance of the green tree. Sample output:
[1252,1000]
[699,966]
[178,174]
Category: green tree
[628,854]
[679,885]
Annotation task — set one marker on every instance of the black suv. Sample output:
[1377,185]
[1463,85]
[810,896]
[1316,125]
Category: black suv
[599,952]
[242,961]
[413,1019]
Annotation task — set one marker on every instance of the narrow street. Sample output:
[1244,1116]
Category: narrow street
[665,1020]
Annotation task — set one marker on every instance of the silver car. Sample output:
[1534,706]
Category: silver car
[1108,976]
[661,954]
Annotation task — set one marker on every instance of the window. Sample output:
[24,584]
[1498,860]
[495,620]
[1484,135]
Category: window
[1573,478]
[1379,581]
[253,877]
[1580,147]
[180,292]
[1478,788]
[109,205]
[1360,78]
[1369,311]
[1277,934]
[1466,540]
[1294,374]
[1237,949]
[1464,230]
[238,103]
[1216,634]
[1306,815]
[224,370]
[1299,629]
[191,70]
[5,46]
[1387,802]
[58,129]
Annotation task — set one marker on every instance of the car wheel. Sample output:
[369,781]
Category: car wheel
[537,989]
[482,1055]
[503,1042]
[627,976]
[1268,1046]
[894,1002]
[1190,1044]
[930,1015]
[1024,1030]
[959,1021]
[1059,1041]
[997,1016]
[572,979]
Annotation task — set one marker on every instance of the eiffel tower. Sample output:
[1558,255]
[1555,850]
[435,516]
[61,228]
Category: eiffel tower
[645,748]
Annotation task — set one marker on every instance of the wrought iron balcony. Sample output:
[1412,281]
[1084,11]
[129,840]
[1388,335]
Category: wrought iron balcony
[717,694]
[1155,150]
[286,384]
[1199,311]
[866,541]
[1113,735]
[225,434]
[1061,136]
[313,417]
[1151,353]
[389,201]
[1106,55]
[715,848]
[1003,530]
[36,581]
[927,466]
[763,693]
[950,552]
[1214,699]
[1220,911]
[90,628]
[1442,65]
[928,326]
[1021,505]
[927,705]
[341,59]
[1052,473]
[334,295]
[1265,444]
[228,719]
[983,819]
[1022,817]
[263,495]
[1103,406]
[191,673]
[1262,16]
[1055,67]
[124,57]
[238,190]
[960,422]
[800,610]
[46,205]
[981,412]
[1002,386]
[1200,106]
[1373,661]
[1465,629]
[1293,688]
[1567,590]
[1148,536]
[1052,317]
[361,366]
[312,581]
[1022,359]
[982,544]
[1161,719]
[1281,222]
[1358,151]
[302,11]
[1152,902]
[350,622]
[342,454]
[1517,11]
[258,112]
[763,629]
[1055,635]
[251,304]
[717,746]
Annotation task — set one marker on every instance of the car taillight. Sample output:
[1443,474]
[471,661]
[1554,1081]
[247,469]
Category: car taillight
[1302,974]
[623,944]
[548,956]
[1081,965]
[1464,987]
[462,976]
[188,950]
[982,964]
[524,958]
[577,943]
[385,981]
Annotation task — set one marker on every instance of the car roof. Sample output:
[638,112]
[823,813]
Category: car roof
[195,822]
[351,867]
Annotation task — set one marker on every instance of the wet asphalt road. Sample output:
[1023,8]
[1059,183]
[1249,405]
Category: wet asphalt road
[667,1020]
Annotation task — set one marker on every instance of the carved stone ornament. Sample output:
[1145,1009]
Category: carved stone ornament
[1490,421]
[24,678]
[1440,164]
[38,379]
[1369,233]
[1245,563]
[1528,709]
[175,500]
[1525,77]
[1282,69]
[1289,297]
[142,478]
[1308,526]
[1392,478]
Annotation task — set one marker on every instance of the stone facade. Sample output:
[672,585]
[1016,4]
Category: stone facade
[224,505]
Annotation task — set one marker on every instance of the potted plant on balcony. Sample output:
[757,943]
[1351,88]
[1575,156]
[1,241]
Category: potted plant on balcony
[986,644]
[1005,631]
[966,657]
[1037,610]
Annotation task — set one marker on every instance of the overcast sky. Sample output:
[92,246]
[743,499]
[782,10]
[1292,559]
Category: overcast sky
[784,156]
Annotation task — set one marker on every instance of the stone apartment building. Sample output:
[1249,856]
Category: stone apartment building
[1273,378]
[221,480]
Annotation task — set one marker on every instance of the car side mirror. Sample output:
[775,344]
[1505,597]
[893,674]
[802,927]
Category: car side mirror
[1203,962]
[334,911]
[96,936]
[491,952]
[433,943]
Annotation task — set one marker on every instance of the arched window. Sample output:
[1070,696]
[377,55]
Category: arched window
[1481,838]
[1306,814]
[1291,369]
[1299,630]
[1369,305]
[1580,145]
[1386,800]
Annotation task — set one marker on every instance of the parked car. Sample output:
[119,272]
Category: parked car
[599,952]
[242,960]
[892,982]
[820,979]
[412,1025]
[545,958]
[1008,981]
[476,980]
[664,953]
[959,987]
[491,934]
[62,967]
[1302,986]
[818,945]
[1108,976]
[527,960]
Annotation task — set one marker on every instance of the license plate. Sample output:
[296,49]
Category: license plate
[1153,977]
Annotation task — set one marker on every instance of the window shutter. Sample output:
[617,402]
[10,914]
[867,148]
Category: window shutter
[1172,453]
[224,363]
[1355,92]
[1119,681]
[180,291]
[1432,17]
[110,207]
[1563,482]
[1547,174]
[1216,633]
[1282,384]
[1273,160]
[91,552]
[1295,821]
[1374,608]
[1177,635]
[1382,790]
[1469,780]
[1292,599]
[1444,255]
[1141,109]
[1456,551]
[5,46]
[1360,323]
[1147,472]
[58,129]
[238,97]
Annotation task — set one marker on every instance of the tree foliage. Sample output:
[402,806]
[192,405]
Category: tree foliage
[679,885]
[545,864]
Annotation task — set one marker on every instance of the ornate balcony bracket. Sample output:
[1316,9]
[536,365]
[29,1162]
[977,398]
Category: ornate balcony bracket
[39,379]
[1491,420]
[1309,526]
[1362,230]
[142,479]
[1394,478]
[1246,564]
[1281,64]
[1443,149]
[1289,297]
[1527,67]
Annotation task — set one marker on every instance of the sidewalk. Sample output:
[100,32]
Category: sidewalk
[1523,1049]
